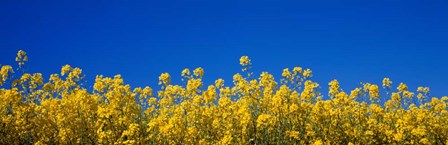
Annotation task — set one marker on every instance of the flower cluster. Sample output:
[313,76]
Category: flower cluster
[251,111]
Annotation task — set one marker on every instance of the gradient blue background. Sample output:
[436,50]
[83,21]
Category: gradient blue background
[352,41]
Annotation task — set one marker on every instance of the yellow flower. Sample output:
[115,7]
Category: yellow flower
[374,92]
[355,93]
[307,73]
[265,120]
[402,87]
[369,132]
[164,78]
[210,95]
[426,90]
[293,108]
[419,131]
[318,142]
[297,70]
[387,82]
[198,72]
[65,69]
[186,72]
[424,141]
[244,61]
[252,111]
[309,92]
[423,89]
[21,58]
[396,97]
[193,85]
[334,88]
[219,83]
[398,136]
[226,140]
[408,94]
[293,134]
[4,73]
[286,73]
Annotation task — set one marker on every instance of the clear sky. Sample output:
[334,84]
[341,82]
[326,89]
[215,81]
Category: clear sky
[352,41]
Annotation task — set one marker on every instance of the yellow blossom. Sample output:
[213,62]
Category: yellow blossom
[307,73]
[374,92]
[297,70]
[334,88]
[387,82]
[5,73]
[402,87]
[318,142]
[244,60]
[164,78]
[64,110]
[198,72]
[186,72]
[219,83]
[65,69]
[286,73]
[21,58]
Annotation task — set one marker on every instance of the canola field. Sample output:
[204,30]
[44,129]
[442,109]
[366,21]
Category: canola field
[287,109]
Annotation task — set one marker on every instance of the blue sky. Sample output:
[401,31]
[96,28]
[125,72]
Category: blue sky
[352,41]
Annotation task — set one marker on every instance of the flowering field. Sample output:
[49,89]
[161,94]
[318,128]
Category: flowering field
[255,110]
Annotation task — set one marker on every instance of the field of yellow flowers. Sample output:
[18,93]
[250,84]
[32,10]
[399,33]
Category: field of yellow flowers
[255,110]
